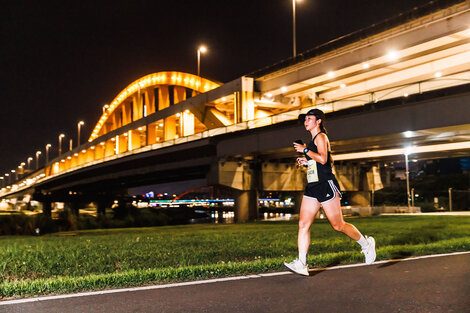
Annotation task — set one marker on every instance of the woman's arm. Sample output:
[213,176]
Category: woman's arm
[321,141]
[322,145]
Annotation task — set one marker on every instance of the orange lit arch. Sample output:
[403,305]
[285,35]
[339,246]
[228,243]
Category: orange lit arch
[181,79]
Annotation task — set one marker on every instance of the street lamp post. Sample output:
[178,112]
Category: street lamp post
[29,163]
[9,179]
[293,27]
[38,153]
[407,172]
[60,143]
[48,146]
[3,181]
[22,167]
[450,199]
[78,130]
[14,172]
[201,49]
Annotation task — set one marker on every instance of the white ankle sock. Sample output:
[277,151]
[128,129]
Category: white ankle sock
[303,258]
[363,242]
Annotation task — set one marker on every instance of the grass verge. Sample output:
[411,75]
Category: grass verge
[91,260]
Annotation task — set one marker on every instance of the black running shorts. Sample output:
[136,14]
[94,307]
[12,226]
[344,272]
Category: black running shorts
[323,191]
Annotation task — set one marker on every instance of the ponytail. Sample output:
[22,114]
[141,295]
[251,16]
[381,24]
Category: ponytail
[322,127]
[323,130]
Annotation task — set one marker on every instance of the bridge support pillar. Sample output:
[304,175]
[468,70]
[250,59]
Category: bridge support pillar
[251,176]
[74,207]
[101,208]
[246,206]
[242,177]
[360,198]
[47,207]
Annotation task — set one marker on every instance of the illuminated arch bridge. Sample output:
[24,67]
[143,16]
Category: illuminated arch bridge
[160,110]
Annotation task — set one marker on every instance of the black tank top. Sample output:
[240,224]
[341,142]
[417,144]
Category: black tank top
[324,170]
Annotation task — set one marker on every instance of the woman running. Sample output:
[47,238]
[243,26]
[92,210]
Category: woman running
[322,189]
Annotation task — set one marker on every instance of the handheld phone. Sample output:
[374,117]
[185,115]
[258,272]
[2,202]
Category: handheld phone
[300,142]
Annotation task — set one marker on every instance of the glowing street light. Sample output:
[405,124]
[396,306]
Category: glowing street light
[293,26]
[38,153]
[21,166]
[20,170]
[201,49]
[9,178]
[60,143]
[29,162]
[78,137]
[48,146]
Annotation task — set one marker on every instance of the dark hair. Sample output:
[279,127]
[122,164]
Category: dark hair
[320,116]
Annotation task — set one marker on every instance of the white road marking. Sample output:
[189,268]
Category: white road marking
[211,281]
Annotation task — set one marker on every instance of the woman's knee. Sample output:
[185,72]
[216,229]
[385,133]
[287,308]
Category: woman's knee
[304,224]
[338,226]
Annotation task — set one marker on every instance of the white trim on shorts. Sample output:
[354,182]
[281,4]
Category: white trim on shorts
[335,191]
[310,197]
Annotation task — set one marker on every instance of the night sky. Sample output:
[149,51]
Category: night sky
[61,61]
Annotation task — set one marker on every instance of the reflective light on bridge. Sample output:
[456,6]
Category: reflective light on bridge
[408,134]
[401,151]
[392,55]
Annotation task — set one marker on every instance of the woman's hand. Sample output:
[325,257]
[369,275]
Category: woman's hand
[299,148]
[302,162]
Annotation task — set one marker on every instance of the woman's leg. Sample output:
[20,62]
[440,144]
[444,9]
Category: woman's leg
[332,210]
[308,210]
[335,216]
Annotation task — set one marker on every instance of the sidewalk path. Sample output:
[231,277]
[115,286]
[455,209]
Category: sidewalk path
[425,284]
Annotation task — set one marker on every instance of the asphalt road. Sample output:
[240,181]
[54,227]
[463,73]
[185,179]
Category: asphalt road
[436,284]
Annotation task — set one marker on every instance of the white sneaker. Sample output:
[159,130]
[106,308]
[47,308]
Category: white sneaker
[297,267]
[369,252]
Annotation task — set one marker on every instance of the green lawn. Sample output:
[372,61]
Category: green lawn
[86,260]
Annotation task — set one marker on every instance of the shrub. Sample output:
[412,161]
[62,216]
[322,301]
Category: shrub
[21,224]
[124,216]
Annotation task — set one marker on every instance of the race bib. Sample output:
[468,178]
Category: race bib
[312,172]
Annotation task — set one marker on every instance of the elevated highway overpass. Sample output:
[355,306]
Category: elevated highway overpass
[394,88]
